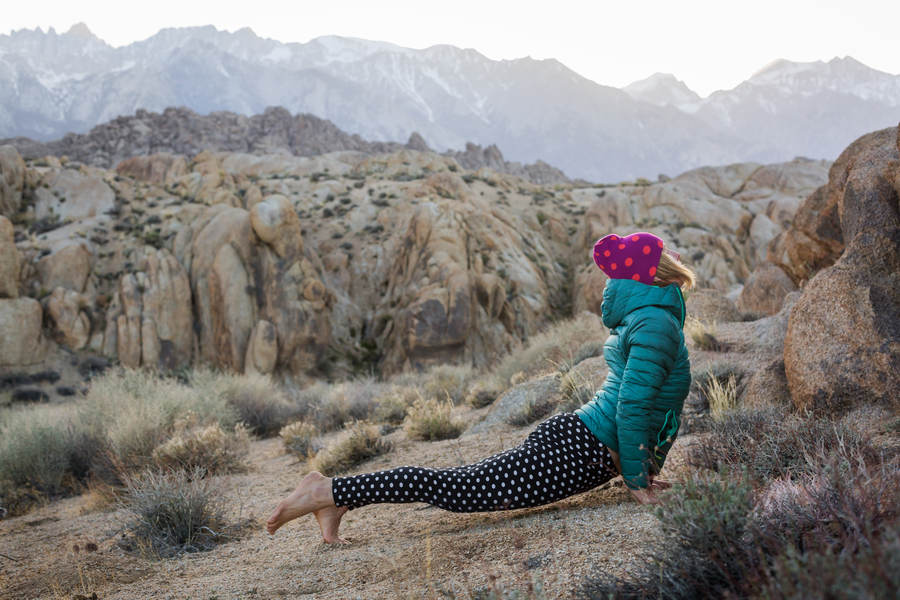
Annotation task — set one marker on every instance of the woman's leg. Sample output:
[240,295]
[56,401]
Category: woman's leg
[561,457]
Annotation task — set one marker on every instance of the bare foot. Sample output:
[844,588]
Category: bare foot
[329,520]
[313,494]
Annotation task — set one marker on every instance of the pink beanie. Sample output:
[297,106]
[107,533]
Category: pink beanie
[634,256]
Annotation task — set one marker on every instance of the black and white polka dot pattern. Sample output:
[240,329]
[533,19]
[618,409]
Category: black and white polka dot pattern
[561,457]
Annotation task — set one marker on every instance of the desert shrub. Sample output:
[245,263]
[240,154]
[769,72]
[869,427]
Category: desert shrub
[297,439]
[256,400]
[392,406]
[484,391]
[577,389]
[345,402]
[447,382]
[34,451]
[547,351]
[361,442]
[172,513]
[210,448]
[830,534]
[432,419]
[768,443]
[530,411]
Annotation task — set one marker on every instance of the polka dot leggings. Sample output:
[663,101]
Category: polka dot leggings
[561,457]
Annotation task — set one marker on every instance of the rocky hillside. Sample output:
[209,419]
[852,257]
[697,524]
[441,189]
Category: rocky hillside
[343,262]
[275,131]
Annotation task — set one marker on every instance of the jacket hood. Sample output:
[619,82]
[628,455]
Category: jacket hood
[622,296]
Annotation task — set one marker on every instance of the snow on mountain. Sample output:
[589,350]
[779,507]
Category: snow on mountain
[53,83]
[663,89]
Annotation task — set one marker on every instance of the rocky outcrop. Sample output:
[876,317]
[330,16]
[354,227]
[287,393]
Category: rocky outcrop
[262,350]
[22,342]
[842,345]
[9,261]
[247,267]
[12,180]
[149,321]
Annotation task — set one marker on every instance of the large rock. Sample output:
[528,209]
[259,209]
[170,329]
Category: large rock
[843,341]
[66,310]
[10,261]
[162,168]
[69,266]
[711,305]
[542,389]
[275,221]
[22,342]
[73,195]
[149,321]
[765,289]
[12,180]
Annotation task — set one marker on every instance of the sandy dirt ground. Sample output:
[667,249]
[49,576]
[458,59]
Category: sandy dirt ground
[70,549]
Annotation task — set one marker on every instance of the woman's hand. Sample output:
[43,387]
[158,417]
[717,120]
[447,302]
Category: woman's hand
[648,494]
[645,496]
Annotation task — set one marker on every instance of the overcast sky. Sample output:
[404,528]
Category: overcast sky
[709,44]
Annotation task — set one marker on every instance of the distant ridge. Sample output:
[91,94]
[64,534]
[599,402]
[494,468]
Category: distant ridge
[182,131]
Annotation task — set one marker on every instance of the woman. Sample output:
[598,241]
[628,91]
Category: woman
[627,428]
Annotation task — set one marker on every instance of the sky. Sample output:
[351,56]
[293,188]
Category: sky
[708,44]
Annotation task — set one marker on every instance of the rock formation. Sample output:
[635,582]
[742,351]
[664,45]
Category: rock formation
[843,340]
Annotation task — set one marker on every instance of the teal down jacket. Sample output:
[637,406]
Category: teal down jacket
[637,411]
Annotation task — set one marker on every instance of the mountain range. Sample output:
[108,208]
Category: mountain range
[52,83]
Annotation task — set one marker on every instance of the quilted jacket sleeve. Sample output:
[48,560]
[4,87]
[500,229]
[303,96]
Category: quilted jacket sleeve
[652,349]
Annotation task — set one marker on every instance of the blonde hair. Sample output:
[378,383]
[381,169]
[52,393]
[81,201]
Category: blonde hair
[671,270]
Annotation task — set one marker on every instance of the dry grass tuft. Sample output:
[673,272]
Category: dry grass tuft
[298,439]
[431,420]
[722,397]
[703,334]
[361,442]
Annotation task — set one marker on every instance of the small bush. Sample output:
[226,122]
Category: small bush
[173,513]
[392,407]
[530,411]
[210,448]
[447,382]
[345,402]
[298,439]
[256,399]
[432,420]
[361,442]
[769,444]
[483,392]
